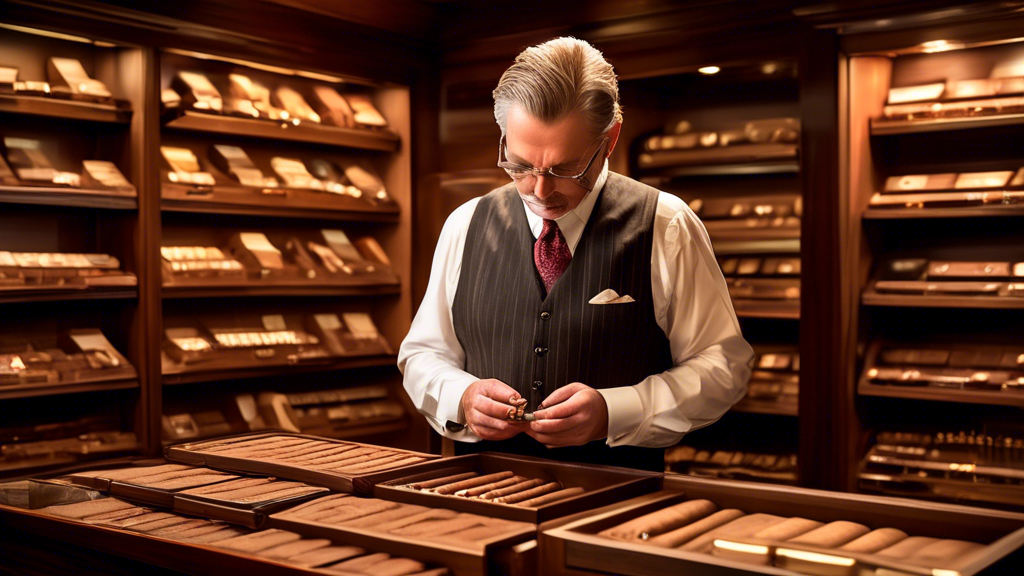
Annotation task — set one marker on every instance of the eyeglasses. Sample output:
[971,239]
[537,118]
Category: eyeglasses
[528,175]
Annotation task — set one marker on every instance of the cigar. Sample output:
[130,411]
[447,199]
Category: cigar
[88,508]
[259,540]
[341,457]
[285,551]
[154,521]
[395,567]
[684,534]
[906,547]
[434,572]
[304,451]
[442,527]
[661,521]
[943,551]
[386,516]
[430,514]
[351,512]
[314,506]
[385,461]
[833,534]
[473,534]
[328,555]
[552,497]
[200,524]
[524,485]
[531,493]
[875,540]
[393,464]
[472,482]
[740,528]
[441,481]
[211,536]
[787,529]
[333,451]
[358,565]
[471,492]
[341,466]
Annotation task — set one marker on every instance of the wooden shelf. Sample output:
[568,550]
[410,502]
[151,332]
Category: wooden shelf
[295,204]
[74,197]
[993,211]
[69,109]
[987,397]
[8,296]
[765,407]
[721,160]
[198,375]
[921,301]
[771,309]
[732,246]
[754,235]
[364,139]
[33,390]
[296,288]
[881,127]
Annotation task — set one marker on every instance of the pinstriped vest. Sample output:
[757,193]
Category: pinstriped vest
[535,343]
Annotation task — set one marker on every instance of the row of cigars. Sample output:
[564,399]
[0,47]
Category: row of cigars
[314,504]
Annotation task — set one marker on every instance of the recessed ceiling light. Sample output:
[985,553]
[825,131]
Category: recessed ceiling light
[709,70]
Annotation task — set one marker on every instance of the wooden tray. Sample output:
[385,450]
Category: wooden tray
[509,550]
[250,514]
[603,485]
[204,453]
[108,482]
[577,549]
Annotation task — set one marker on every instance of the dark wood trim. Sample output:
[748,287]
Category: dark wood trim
[68,109]
[199,375]
[70,197]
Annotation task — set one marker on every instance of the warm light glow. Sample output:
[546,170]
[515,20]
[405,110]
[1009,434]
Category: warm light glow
[258,66]
[814,557]
[933,46]
[709,70]
[942,572]
[740,547]
[46,33]
[769,68]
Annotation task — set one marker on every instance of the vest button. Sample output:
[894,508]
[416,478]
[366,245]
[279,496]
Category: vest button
[537,384]
[545,315]
[540,351]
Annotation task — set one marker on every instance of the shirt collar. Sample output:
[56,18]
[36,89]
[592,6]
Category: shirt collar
[572,223]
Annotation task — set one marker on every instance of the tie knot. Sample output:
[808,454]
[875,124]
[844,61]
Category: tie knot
[550,226]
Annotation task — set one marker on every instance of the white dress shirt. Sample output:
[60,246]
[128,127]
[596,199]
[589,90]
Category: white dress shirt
[691,304]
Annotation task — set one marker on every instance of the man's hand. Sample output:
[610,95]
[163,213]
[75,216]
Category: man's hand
[572,416]
[485,404]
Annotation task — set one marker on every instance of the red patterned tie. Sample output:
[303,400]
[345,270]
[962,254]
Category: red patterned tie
[551,254]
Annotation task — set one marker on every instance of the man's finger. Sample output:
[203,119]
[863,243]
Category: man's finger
[561,395]
[555,425]
[493,408]
[498,391]
[564,409]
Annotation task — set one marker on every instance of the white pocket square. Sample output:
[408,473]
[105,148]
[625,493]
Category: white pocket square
[610,296]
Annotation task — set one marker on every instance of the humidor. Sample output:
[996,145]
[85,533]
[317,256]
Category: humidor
[297,457]
[498,546]
[601,485]
[577,548]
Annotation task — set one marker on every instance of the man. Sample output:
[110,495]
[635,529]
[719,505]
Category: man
[512,310]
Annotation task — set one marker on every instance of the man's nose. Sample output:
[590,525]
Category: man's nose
[544,186]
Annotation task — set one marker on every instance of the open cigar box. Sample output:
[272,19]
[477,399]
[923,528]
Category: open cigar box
[871,536]
[333,464]
[487,480]
[468,544]
[190,544]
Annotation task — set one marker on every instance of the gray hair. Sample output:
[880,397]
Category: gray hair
[558,77]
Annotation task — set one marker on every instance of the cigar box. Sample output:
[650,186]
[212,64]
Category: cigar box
[103,361]
[601,485]
[198,262]
[296,106]
[367,181]
[7,177]
[297,457]
[333,181]
[198,92]
[148,482]
[332,107]
[193,545]
[328,412]
[294,174]
[234,162]
[185,168]
[8,77]
[261,258]
[468,544]
[188,345]
[187,426]
[579,548]
[32,88]
[103,175]
[920,182]
[29,161]
[921,93]
[350,334]
[69,73]
[364,113]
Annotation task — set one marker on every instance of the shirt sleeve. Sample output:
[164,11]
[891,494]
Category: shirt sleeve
[711,359]
[431,358]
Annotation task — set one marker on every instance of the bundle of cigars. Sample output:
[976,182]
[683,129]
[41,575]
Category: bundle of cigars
[279,546]
[501,488]
[700,526]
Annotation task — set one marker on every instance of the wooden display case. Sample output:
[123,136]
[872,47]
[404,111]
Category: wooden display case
[576,548]
[602,485]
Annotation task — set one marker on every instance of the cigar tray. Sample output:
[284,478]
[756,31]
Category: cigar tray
[509,549]
[113,484]
[206,453]
[602,485]
[116,536]
[248,514]
[576,548]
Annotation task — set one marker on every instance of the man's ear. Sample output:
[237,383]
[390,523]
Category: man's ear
[613,137]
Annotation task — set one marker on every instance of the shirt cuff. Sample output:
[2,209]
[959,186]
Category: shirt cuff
[449,402]
[625,412]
